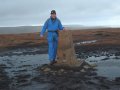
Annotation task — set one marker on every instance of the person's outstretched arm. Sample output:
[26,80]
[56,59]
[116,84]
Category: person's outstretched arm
[44,29]
[60,25]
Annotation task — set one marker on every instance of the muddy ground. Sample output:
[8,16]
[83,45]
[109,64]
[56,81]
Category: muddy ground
[20,70]
[20,63]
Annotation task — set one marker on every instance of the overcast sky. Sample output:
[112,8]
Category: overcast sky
[82,12]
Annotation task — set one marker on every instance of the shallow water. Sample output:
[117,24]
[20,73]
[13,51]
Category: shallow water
[23,62]
[107,66]
[20,65]
[21,70]
[86,42]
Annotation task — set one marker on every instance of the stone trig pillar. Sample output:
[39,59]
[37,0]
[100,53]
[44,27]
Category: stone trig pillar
[66,51]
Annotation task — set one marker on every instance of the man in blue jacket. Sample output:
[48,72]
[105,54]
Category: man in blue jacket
[52,25]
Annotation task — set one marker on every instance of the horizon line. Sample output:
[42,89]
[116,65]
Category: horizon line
[111,26]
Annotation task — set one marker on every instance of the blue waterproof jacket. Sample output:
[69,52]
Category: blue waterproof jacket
[52,25]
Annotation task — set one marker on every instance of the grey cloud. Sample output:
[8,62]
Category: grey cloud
[86,12]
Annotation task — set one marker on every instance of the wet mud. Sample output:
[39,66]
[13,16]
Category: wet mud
[28,68]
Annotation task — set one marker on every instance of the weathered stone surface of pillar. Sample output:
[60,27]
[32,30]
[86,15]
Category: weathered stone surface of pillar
[66,51]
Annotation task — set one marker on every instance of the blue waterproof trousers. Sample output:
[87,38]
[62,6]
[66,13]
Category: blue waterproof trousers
[53,45]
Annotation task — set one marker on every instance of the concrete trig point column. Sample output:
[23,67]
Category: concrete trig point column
[66,51]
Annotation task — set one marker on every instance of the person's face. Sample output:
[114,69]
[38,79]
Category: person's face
[53,16]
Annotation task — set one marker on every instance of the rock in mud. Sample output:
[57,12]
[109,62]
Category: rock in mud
[61,70]
[46,69]
[86,67]
[83,70]
[93,65]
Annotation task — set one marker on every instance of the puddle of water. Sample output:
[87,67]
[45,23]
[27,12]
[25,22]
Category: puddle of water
[106,66]
[86,42]
[24,65]
[35,86]
[22,62]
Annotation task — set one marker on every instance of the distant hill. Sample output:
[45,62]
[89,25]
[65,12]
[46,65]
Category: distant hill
[81,27]
[20,29]
[31,29]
